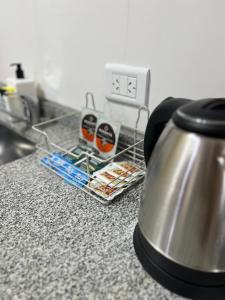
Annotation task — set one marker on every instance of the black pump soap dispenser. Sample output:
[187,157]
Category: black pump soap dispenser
[19,71]
[24,86]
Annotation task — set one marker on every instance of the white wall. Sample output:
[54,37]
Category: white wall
[64,44]
[17,36]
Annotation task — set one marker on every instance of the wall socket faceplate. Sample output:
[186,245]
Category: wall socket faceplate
[127,84]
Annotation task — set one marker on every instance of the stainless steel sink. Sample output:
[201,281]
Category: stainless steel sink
[13,145]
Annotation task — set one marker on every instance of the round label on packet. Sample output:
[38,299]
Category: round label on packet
[88,127]
[105,138]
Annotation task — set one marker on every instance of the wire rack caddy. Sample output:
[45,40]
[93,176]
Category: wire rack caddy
[61,135]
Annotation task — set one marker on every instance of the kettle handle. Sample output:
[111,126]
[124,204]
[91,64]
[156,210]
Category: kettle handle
[158,120]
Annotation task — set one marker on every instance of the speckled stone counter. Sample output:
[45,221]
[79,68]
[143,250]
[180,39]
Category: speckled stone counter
[58,243]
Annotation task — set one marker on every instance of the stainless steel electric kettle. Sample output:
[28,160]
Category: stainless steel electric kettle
[180,235]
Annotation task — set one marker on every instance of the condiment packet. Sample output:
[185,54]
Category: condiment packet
[67,157]
[118,171]
[79,153]
[65,169]
[89,118]
[130,167]
[80,149]
[113,178]
[104,190]
[93,164]
[48,163]
[106,137]
[71,170]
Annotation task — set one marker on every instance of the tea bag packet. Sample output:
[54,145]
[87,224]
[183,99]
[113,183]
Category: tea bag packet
[106,137]
[89,118]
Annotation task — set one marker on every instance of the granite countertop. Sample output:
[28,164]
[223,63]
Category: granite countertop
[58,243]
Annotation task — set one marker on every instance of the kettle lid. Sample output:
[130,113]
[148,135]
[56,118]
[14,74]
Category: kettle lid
[205,117]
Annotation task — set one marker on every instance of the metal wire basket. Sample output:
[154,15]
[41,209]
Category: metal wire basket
[61,135]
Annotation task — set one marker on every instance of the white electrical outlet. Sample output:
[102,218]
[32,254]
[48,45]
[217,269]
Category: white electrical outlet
[131,87]
[127,84]
[115,84]
[123,85]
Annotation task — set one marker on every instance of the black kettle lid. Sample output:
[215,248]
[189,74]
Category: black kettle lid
[205,117]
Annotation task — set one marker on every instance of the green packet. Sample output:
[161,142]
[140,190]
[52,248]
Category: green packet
[79,153]
[94,165]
